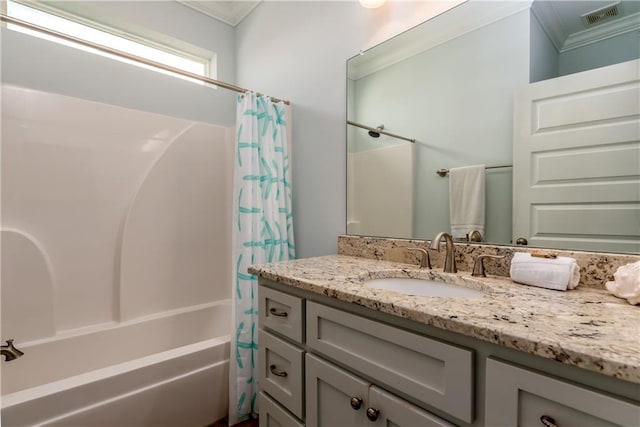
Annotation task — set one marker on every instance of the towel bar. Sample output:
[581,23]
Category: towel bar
[444,172]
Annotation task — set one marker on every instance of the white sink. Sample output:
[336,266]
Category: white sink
[422,287]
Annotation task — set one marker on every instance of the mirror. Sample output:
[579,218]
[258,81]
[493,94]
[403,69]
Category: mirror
[449,84]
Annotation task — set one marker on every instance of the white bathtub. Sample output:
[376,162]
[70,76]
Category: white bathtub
[169,369]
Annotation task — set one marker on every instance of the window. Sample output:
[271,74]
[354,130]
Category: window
[86,31]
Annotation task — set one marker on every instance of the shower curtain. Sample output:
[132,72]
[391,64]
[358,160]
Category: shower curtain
[262,232]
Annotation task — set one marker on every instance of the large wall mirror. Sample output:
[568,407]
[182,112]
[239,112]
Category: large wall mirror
[445,95]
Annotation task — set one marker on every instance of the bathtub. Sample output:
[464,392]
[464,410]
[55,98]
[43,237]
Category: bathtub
[168,369]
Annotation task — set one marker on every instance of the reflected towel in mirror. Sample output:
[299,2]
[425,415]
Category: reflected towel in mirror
[467,200]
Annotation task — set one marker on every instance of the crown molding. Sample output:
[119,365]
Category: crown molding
[603,31]
[453,23]
[552,26]
[229,12]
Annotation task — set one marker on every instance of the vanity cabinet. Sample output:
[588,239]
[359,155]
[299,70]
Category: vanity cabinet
[522,397]
[325,363]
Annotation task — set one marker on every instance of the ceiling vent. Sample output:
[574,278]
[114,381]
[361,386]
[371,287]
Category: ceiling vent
[602,14]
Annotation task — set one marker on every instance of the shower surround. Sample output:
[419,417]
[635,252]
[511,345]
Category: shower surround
[115,256]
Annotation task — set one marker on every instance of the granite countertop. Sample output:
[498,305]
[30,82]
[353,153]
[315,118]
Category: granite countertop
[588,328]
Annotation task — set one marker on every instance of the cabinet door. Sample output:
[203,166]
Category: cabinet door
[517,396]
[395,412]
[329,394]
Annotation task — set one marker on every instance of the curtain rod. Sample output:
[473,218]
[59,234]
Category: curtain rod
[128,56]
[444,172]
[393,135]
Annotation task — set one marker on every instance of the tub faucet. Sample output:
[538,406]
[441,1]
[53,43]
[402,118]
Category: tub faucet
[9,351]
[449,257]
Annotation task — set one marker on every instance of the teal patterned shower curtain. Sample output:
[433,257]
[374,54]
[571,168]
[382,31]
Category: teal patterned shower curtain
[262,231]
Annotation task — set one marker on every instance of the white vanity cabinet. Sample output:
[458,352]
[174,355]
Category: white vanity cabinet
[519,396]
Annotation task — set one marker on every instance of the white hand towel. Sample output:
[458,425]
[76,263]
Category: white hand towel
[626,283]
[467,200]
[560,273]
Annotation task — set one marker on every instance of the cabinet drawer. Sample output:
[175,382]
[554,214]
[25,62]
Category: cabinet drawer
[438,374]
[281,371]
[517,396]
[281,313]
[272,415]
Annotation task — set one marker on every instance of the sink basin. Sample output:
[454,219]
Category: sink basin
[422,287]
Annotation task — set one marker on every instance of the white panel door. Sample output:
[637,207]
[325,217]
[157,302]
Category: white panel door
[576,158]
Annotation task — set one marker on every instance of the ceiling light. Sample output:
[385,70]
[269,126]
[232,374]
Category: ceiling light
[372,4]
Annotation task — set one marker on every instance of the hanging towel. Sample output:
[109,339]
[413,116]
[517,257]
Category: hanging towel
[560,273]
[467,200]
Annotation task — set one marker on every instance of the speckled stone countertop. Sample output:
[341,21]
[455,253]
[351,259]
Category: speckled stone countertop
[586,327]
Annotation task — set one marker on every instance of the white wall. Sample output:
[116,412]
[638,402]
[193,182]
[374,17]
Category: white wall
[39,64]
[298,51]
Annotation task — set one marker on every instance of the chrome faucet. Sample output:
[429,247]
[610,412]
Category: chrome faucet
[449,257]
[9,351]
[425,261]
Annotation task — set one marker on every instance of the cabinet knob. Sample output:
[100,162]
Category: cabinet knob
[548,421]
[521,241]
[277,313]
[372,413]
[356,403]
[277,373]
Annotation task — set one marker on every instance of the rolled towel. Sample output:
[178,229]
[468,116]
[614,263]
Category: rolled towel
[626,283]
[560,273]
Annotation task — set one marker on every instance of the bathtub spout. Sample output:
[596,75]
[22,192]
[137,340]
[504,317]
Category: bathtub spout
[9,351]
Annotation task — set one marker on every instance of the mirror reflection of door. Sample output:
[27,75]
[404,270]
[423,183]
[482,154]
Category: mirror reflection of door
[577,157]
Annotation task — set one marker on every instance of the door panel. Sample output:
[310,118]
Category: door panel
[576,157]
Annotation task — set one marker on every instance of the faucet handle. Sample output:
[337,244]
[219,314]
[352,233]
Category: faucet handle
[478,265]
[13,348]
[425,261]
[474,236]
[10,352]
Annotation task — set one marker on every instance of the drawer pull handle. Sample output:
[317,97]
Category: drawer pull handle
[372,414]
[277,373]
[548,421]
[356,403]
[275,312]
